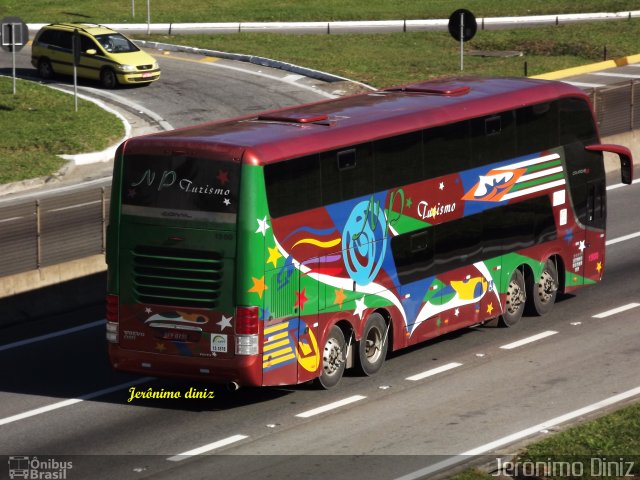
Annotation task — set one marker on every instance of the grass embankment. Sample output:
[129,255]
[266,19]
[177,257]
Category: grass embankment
[39,123]
[608,447]
[289,10]
[395,58]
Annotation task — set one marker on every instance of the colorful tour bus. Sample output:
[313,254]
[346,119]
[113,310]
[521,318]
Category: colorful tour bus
[284,247]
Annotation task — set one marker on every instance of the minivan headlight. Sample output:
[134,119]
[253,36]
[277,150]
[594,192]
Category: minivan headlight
[128,68]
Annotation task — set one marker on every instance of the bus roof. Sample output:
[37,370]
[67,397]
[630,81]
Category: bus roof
[332,124]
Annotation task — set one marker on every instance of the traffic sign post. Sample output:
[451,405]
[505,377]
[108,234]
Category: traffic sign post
[462,27]
[75,44]
[15,35]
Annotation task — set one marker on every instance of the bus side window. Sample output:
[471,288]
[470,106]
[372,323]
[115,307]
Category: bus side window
[493,138]
[346,174]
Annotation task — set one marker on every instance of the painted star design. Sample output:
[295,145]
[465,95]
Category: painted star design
[131,193]
[224,323]
[147,310]
[457,312]
[223,177]
[227,202]
[360,308]
[409,202]
[581,245]
[258,286]
[263,226]
[599,267]
[340,297]
[441,187]
[490,308]
[274,256]
[160,347]
[301,299]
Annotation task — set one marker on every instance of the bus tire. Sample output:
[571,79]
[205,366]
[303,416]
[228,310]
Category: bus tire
[372,348]
[541,295]
[333,359]
[515,301]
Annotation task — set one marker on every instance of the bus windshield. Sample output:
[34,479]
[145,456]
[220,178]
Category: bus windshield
[180,187]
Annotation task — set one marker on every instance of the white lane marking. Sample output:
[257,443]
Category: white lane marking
[613,74]
[47,336]
[272,77]
[527,340]
[434,371]
[207,448]
[293,77]
[585,84]
[514,437]
[72,401]
[620,185]
[330,406]
[71,207]
[624,238]
[615,311]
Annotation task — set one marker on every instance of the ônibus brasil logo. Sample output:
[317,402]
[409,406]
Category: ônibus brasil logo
[34,468]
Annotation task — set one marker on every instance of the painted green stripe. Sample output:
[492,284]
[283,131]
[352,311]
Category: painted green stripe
[543,166]
[537,181]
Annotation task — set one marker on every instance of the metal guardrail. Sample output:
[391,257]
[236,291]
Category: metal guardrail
[53,230]
[65,227]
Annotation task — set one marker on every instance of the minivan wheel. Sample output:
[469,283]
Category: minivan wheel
[108,78]
[44,69]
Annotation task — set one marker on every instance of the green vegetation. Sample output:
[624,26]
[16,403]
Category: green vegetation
[288,10]
[587,448]
[39,123]
[394,58]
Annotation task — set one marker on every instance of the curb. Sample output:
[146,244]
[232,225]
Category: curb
[593,67]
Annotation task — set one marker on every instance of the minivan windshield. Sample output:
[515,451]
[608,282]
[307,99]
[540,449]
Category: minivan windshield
[116,43]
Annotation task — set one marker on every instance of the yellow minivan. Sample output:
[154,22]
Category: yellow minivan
[105,55]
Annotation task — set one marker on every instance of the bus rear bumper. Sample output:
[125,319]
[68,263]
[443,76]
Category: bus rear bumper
[243,370]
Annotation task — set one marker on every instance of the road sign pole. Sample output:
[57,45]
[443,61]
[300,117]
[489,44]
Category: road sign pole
[13,55]
[461,41]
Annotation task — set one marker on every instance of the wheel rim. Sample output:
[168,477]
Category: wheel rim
[547,287]
[332,357]
[373,345]
[515,297]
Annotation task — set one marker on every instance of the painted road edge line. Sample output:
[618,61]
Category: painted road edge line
[72,401]
[207,448]
[433,371]
[514,437]
[47,336]
[527,340]
[614,311]
[331,406]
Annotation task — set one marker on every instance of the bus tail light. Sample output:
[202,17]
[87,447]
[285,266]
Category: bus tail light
[247,330]
[112,318]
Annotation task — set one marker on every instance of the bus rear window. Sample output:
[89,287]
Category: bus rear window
[181,187]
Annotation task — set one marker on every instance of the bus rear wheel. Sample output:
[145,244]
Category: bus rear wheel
[333,359]
[541,295]
[372,349]
[515,302]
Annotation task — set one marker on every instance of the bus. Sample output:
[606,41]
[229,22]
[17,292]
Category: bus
[285,247]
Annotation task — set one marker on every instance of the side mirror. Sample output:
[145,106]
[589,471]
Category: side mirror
[91,51]
[626,159]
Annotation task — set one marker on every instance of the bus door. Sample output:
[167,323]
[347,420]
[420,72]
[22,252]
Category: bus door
[594,242]
[308,303]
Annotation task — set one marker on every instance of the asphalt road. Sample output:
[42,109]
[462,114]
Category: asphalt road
[60,401]
[397,426]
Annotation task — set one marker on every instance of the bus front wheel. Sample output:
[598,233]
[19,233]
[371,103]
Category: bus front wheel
[515,301]
[333,359]
[372,348]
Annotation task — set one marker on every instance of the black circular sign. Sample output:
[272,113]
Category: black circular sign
[13,33]
[469,25]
